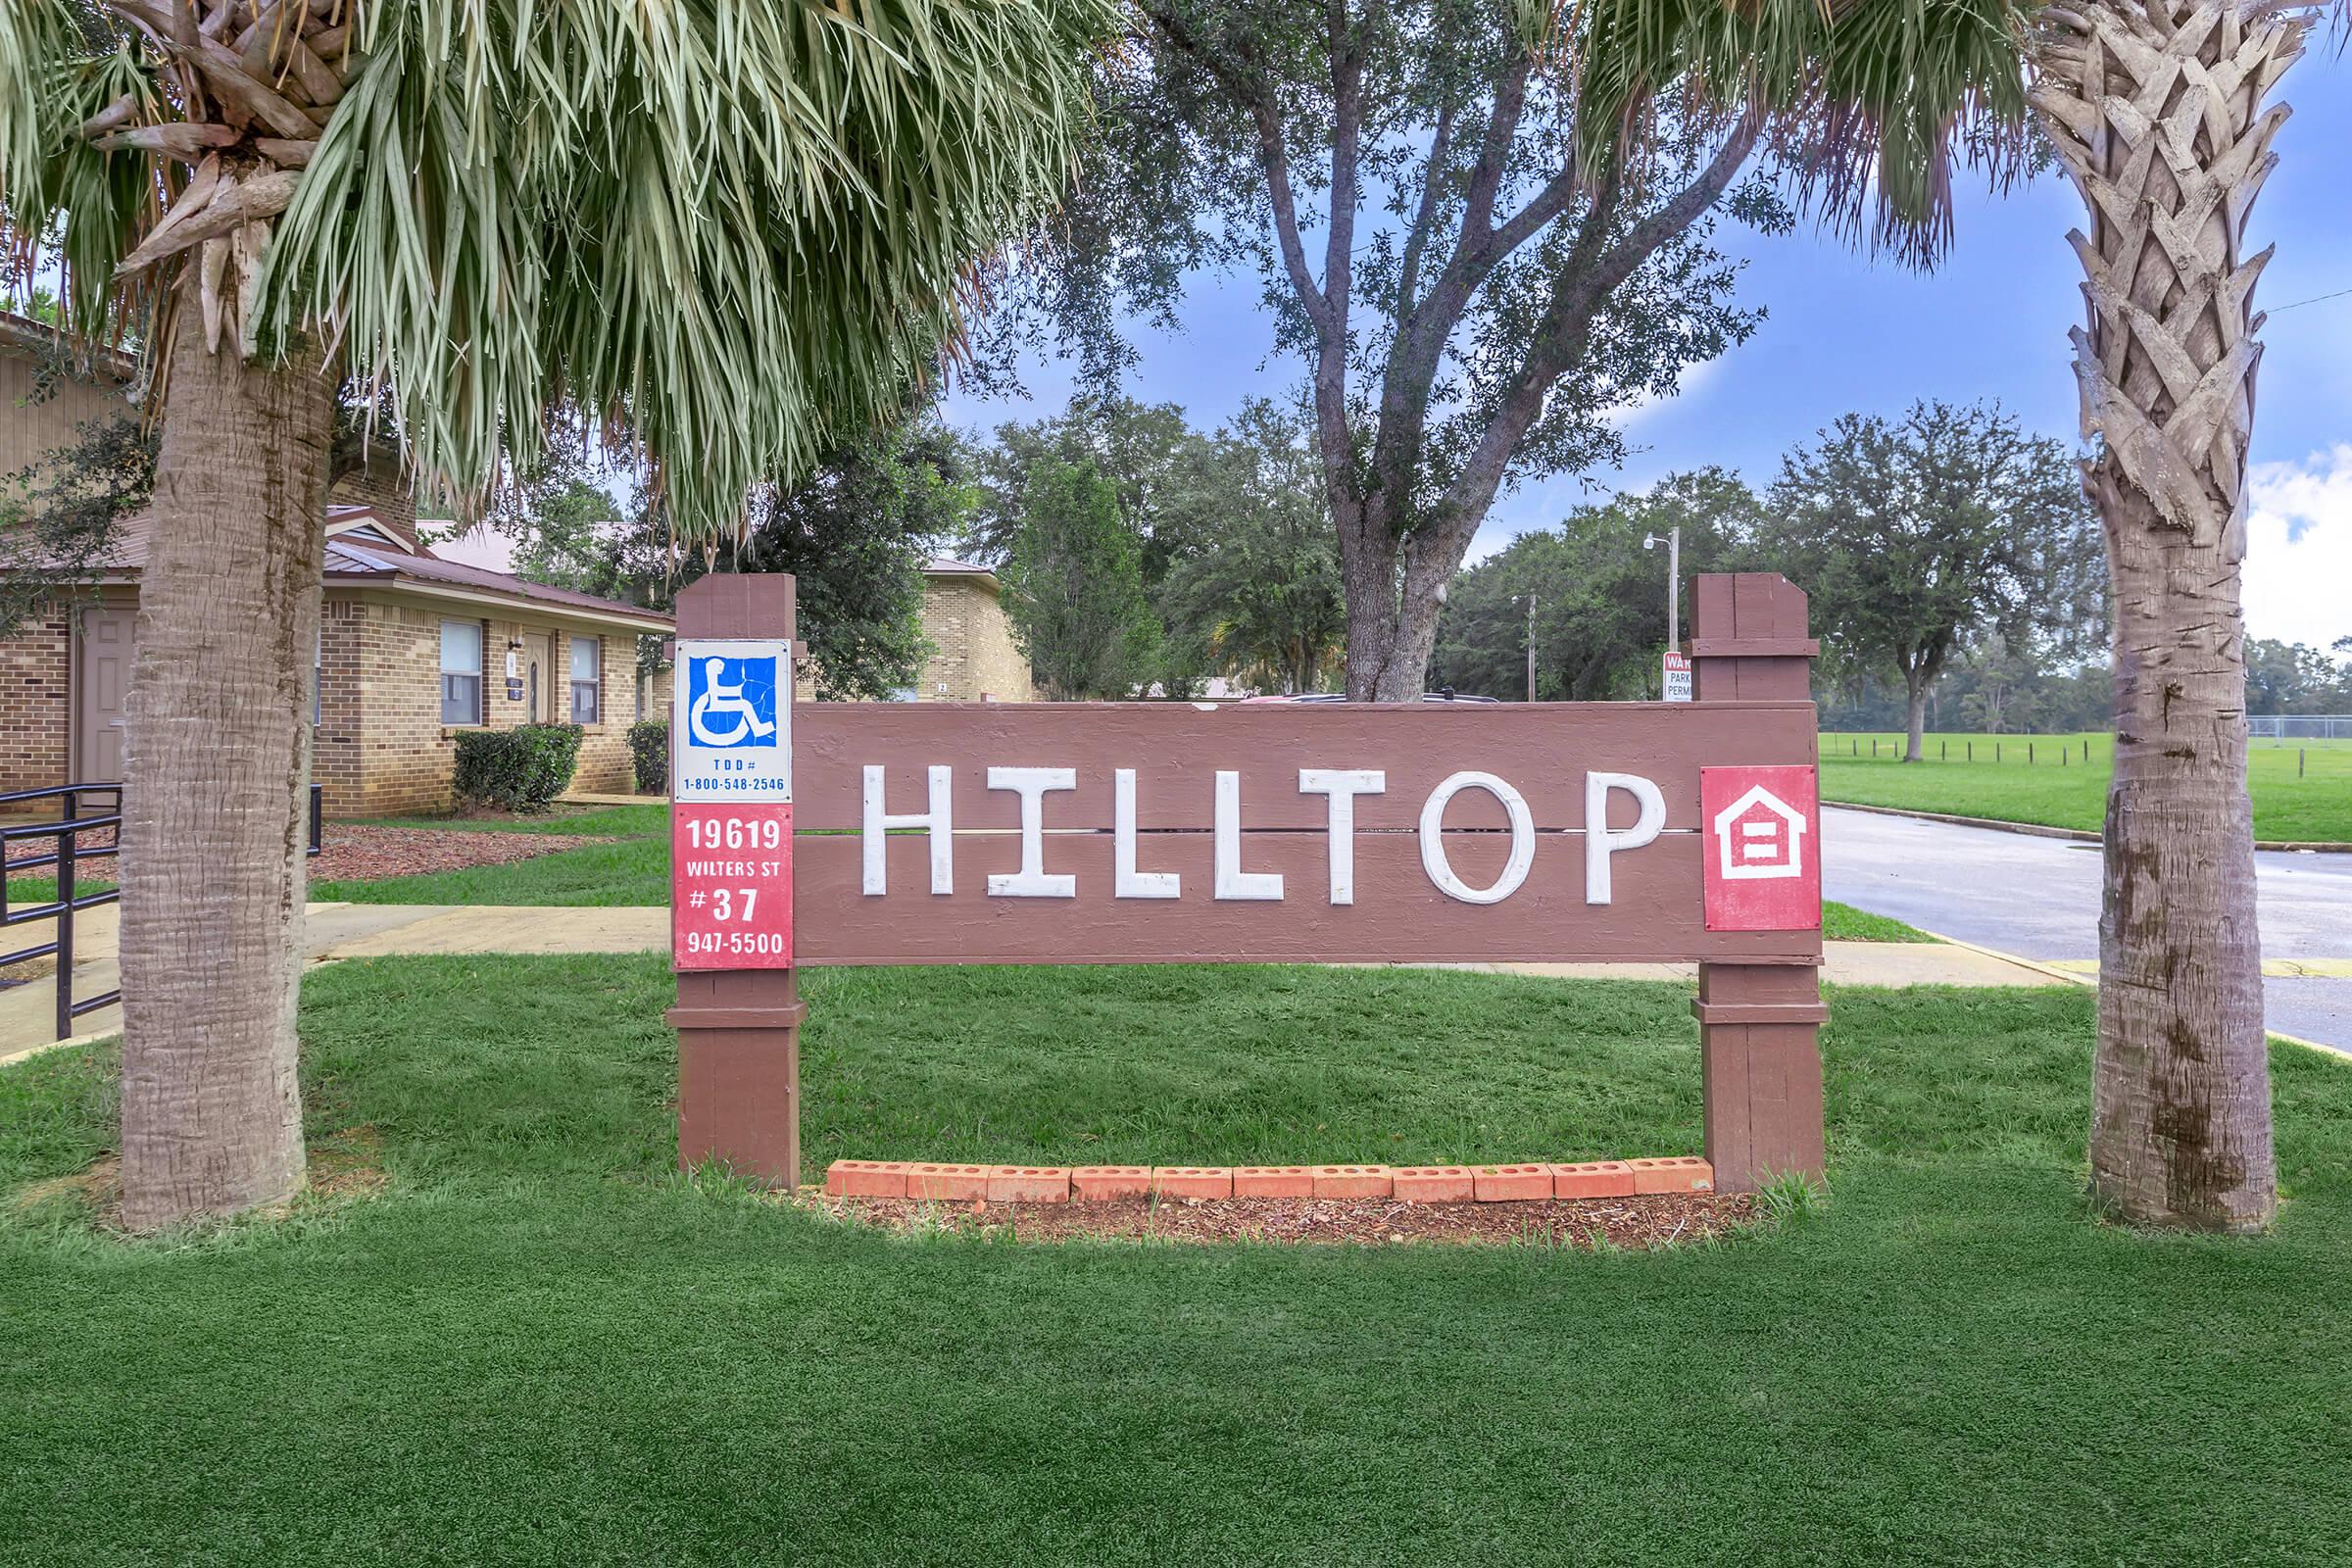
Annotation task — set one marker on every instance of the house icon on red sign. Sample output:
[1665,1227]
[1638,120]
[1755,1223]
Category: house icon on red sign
[1759,836]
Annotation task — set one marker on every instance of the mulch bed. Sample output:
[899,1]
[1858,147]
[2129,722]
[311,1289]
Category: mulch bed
[1633,1223]
[96,838]
[355,854]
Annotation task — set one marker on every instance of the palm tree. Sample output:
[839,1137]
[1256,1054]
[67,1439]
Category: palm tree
[2157,111]
[2156,108]
[726,228]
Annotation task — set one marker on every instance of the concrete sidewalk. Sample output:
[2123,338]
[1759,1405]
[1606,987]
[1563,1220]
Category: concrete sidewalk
[335,932]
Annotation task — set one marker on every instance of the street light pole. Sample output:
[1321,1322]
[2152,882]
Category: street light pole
[1674,588]
[1673,583]
[1530,648]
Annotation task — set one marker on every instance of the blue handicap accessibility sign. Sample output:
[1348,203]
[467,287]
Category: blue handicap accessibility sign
[731,701]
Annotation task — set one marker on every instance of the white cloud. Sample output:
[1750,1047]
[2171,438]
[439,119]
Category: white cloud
[1689,381]
[2299,548]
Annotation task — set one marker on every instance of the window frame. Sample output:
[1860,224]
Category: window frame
[593,687]
[481,654]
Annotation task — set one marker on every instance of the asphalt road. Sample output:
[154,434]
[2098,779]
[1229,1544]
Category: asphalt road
[2039,899]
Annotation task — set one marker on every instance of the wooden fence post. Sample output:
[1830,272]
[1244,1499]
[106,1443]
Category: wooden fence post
[738,1030]
[1759,1024]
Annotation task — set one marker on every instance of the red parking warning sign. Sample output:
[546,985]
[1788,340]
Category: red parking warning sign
[1763,848]
[730,884]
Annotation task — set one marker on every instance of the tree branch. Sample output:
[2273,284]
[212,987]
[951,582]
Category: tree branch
[1580,294]
[1273,156]
[1494,155]
[1347,173]
[1416,238]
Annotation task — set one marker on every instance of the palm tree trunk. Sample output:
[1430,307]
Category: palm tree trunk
[216,762]
[2157,115]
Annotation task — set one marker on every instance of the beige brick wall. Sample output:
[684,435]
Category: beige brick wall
[380,747]
[973,656]
[976,660]
[30,425]
[387,751]
[36,695]
[605,747]
[335,749]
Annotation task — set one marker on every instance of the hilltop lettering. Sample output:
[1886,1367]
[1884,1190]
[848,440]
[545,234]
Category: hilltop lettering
[1233,881]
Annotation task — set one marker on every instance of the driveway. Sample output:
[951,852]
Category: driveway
[2039,898]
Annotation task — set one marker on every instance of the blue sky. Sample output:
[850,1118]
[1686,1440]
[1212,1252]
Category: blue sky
[1847,333]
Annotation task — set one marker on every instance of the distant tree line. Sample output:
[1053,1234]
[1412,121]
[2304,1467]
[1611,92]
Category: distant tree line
[1954,572]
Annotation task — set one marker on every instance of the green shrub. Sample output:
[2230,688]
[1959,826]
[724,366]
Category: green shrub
[519,769]
[648,751]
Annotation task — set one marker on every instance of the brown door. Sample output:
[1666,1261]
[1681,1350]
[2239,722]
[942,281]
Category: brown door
[538,651]
[102,694]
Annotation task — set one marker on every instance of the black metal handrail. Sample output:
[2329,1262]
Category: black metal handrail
[68,859]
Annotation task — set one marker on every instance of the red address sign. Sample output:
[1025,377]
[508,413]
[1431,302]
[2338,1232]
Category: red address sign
[730,886]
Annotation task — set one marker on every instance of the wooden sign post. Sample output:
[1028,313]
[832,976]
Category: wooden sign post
[738,1009]
[1182,832]
[1759,1022]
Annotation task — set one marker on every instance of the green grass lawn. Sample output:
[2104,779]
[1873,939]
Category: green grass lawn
[540,1345]
[1843,922]
[624,871]
[2312,807]
[633,869]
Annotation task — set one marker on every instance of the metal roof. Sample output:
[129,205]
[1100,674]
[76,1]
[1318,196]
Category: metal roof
[950,566]
[351,564]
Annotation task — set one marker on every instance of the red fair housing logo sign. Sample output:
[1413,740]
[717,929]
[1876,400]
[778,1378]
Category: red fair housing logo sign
[1763,848]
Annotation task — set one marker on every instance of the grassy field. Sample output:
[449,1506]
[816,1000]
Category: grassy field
[538,1344]
[2029,783]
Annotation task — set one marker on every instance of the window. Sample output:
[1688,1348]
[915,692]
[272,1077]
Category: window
[318,671]
[584,656]
[461,672]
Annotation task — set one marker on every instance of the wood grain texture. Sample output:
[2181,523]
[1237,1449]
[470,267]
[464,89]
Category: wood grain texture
[1542,750]
[1399,916]
[1762,1079]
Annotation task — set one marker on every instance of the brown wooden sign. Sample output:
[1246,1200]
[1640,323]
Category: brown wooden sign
[1166,832]
[1071,833]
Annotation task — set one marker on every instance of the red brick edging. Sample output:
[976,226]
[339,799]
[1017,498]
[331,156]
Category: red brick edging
[1528,1182]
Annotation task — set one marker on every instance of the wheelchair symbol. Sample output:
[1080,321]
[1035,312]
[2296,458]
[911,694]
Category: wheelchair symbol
[719,700]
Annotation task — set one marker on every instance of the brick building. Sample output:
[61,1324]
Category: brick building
[973,656]
[412,649]
[973,659]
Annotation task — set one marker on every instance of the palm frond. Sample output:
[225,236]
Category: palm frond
[60,67]
[729,228]
[1870,102]
[736,230]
